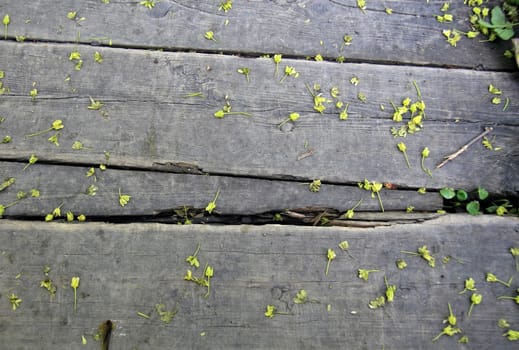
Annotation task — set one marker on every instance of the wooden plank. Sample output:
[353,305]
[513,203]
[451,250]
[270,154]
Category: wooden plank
[152,124]
[410,35]
[155,193]
[125,269]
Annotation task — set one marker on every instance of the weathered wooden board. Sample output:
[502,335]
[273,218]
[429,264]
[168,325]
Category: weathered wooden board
[297,28]
[150,123]
[125,269]
[158,192]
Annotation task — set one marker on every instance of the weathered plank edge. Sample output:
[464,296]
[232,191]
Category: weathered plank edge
[128,268]
[154,193]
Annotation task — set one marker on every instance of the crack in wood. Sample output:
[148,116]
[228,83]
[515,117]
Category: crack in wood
[178,167]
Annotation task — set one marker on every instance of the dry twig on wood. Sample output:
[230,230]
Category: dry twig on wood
[464,148]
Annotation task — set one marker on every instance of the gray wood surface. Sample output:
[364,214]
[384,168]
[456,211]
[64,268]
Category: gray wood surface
[168,151]
[156,193]
[151,124]
[410,35]
[125,269]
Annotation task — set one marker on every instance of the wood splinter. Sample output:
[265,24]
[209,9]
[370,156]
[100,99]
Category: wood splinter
[464,148]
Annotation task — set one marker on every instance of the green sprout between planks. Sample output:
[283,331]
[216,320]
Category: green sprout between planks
[475,200]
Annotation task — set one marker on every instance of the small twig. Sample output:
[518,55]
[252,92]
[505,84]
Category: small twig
[318,218]
[307,154]
[464,148]
[295,215]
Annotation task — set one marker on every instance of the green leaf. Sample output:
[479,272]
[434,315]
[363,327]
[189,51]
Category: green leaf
[504,33]
[473,208]
[461,195]
[492,209]
[447,193]
[498,16]
[482,193]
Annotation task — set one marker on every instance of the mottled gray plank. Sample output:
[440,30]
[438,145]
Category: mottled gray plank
[151,124]
[301,28]
[158,192]
[130,268]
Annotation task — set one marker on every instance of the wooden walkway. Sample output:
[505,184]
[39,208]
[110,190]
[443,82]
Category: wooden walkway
[136,148]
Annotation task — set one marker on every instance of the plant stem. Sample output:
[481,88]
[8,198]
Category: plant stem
[197,247]
[470,309]
[357,204]
[38,133]
[418,93]
[239,113]
[505,283]
[437,337]
[406,159]
[410,253]
[309,90]
[380,201]
[283,122]
[327,267]
[208,287]
[427,171]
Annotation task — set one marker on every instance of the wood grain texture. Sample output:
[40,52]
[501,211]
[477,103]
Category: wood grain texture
[151,124]
[124,269]
[154,193]
[411,35]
